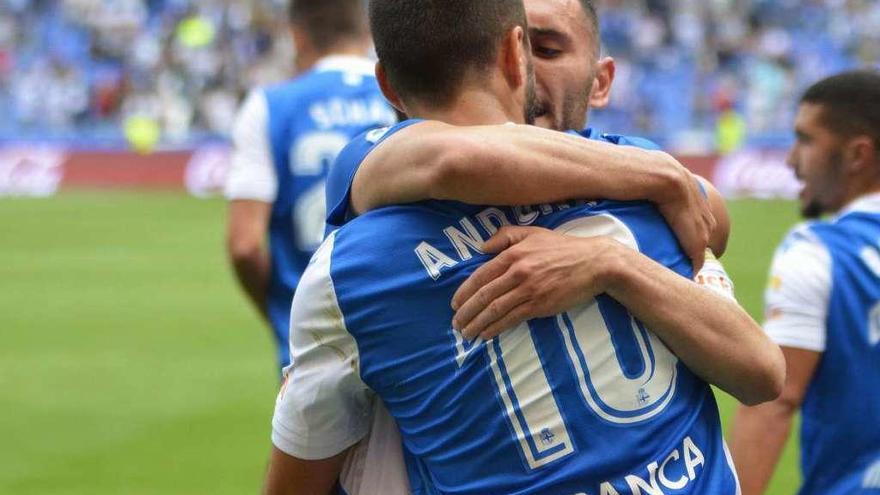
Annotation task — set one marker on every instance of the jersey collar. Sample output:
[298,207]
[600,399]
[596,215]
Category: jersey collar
[346,63]
[869,203]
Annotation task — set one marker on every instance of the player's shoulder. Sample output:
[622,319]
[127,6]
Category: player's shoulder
[253,111]
[348,161]
[620,139]
[295,91]
[804,234]
[804,248]
[334,74]
[358,148]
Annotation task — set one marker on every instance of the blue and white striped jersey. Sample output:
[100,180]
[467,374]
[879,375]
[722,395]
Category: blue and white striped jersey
[588,402]
[286,138]
[824,296]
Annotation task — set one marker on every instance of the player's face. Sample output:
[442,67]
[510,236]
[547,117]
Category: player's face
[817,159]
[565,56]
[531,108]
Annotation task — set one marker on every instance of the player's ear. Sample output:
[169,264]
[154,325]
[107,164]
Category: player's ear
[601,93]
[514,57]
[861,155]
[304,49]
[387,89]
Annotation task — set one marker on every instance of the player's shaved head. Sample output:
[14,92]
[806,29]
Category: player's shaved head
[427,47]
[592,16]
[850,103]
[329,22]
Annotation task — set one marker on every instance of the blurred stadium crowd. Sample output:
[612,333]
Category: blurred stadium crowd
[81,69]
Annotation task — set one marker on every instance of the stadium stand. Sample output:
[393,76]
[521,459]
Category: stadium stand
[76,70]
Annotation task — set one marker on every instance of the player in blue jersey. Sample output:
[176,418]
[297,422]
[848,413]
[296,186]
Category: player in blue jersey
[464,163]
[823,302]
[435,160]
[586,411]
[285,138]
[565,47]
[539,166]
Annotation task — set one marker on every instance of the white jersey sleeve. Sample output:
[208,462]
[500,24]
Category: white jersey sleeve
[376,465]
[252,174]
[798,293]
[324,407]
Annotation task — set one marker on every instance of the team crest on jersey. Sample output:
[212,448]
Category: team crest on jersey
[376,135]
[547,436]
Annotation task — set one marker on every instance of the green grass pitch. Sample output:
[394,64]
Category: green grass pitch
[130,364]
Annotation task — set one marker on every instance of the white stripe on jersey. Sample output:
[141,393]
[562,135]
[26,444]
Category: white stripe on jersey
[872,476]
[732,467]
[325,408]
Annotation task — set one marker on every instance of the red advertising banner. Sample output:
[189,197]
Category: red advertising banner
[41,171]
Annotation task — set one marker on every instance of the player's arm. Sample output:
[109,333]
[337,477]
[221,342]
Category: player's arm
[288,475]
[518,164]
[541,273]
[245,246]
[251,188]
[719,235]
[760,432]
[324,408]
[796,311]
[713,335]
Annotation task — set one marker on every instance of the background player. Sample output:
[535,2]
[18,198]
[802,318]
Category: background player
[823,302]
[387,287]
[285,139]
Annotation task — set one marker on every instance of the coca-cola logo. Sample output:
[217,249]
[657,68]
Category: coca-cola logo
[206,171]
[756,174]
[31,171]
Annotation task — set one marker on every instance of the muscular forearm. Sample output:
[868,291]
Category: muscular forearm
[758,438]
[545,166]
[253,273]
[713,336]
[466,164]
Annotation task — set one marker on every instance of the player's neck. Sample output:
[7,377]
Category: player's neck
[861,188]
[474,106]
[308,59]
[347,49]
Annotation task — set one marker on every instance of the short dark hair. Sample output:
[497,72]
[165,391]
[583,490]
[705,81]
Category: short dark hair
[427,47]
[850,103]
[329,22]
[592,15]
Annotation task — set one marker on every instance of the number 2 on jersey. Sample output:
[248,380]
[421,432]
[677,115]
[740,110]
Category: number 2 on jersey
[312,155]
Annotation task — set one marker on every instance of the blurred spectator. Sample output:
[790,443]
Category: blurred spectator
[683,56]
[731,128]
[71,67]
[80,65]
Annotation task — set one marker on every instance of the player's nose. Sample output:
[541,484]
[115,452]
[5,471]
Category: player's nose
[791,158]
